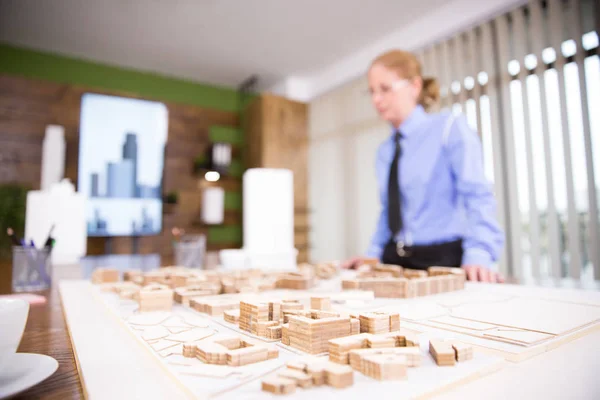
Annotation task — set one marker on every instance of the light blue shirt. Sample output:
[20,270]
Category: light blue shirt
[445,195]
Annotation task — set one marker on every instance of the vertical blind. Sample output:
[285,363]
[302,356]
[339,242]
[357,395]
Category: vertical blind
[529,83]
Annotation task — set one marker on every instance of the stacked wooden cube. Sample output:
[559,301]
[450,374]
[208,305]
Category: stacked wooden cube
[414,273]
[183,294]
[285,335]
[212,353]
[132,274]
[307,374]
[105,275]
[387,281]
[277,385]
[320,303]
[155,297]
[247,355]
[251,314]
[231,351]
[214,305]
[442,352]
[189,350]
[295,281]
[385,366]
[231,316]
[302,379]
[290,307]
[463,352]
[339,349]
[379,322]
[411,356]
[312,335]
[274,332]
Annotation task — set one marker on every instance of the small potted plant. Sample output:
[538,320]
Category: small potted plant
[170,202]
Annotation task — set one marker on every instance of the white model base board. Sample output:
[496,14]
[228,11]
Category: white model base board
[116,361]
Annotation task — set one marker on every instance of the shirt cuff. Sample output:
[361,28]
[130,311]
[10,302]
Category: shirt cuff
[475,256]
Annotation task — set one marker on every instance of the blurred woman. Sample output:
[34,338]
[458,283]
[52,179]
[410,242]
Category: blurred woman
[437,208]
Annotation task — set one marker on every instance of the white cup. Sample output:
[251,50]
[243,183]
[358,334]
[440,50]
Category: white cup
[13,317]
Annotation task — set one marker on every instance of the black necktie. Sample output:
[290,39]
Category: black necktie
[394,212]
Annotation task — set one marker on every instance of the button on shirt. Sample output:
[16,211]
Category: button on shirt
[445,195]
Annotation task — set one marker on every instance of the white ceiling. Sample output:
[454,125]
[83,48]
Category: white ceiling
[215,41]
[220,42]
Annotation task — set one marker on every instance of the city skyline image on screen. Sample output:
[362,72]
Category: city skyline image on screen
[121,157]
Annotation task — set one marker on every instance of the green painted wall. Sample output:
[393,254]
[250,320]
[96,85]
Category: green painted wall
[58,68]
[225,234]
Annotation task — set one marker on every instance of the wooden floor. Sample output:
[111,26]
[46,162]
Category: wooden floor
[46,333]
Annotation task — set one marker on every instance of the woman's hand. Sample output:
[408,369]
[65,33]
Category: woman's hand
[353,262]
[482,274]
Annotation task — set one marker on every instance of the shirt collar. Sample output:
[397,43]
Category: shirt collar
[411,124]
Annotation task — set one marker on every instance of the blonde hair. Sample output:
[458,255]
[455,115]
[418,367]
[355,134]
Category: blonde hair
[407,66]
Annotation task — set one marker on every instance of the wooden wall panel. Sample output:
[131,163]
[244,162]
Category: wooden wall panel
[27,106]
[277,137]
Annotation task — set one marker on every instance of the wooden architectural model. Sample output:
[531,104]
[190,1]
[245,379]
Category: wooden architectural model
[306,374]
[398,282]
[312,334]
[446,353]
[321,270]
[340,349]
[183,295]
[155,297]
[379,322]
[105,275]
[232,351]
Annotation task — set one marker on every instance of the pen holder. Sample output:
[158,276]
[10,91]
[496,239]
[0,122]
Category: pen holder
[31,269]
[189,251]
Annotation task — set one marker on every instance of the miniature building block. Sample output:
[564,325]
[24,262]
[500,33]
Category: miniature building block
[285,337]
[442,352]
[371,261]
[105,275]
[189,350]
[274,311]
[295,281]
[379,322]
[414,273]
[395,282]
[318,374]
[131,274]
[320,303]
[247,355]
[462,352]
[155,297]
[184,294]
[233,351]
[212,353]
[302,379]
[231,316]
[377,342]
[213,305]
[279,385]
[274,332]
[355,326]
[385,366]
[338,376]
[412,356]
[312,335]
[339,348]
